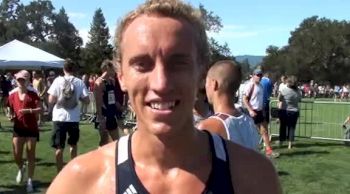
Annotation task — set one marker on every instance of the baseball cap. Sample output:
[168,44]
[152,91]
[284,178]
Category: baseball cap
[257,72]
[23,74]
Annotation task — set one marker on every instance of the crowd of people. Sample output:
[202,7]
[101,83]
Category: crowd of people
[26,97]
[314,90]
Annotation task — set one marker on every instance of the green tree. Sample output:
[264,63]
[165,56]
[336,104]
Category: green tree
[39,15]
[12,21]
[98,47]
[213,24]
[66,36]
[318,49]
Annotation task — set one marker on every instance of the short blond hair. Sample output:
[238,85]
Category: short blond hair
[167,8]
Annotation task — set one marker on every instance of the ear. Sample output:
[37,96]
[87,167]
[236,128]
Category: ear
[215,84]
[120,76]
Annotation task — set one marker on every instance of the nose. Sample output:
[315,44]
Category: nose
[160,79]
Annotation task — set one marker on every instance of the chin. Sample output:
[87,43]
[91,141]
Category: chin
[164,130]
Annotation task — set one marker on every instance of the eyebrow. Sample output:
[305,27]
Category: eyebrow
[180,55]
[138,58]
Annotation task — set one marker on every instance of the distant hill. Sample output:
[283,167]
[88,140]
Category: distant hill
[252,60]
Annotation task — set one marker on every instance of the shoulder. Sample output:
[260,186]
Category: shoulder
[210,122]
[32,93]
[58,80]
[213,125]
[13,91]
[251,171]
[85,173]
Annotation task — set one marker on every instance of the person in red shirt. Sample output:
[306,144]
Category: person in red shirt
[24,107]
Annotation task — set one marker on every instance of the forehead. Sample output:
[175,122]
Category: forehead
[159,32]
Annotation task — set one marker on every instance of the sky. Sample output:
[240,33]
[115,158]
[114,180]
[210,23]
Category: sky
[250,26]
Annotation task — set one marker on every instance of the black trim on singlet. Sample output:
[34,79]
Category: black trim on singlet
[220,168]
[219,180]
[126,174]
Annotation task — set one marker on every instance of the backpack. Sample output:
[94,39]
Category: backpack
[67,98]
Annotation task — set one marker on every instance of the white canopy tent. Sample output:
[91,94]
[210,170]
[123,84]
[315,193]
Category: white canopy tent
[18,55]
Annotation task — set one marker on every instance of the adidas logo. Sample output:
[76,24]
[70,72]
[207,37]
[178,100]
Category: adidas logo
[130,190]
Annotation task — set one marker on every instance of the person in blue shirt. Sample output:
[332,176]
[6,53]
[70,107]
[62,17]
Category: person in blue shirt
[267,92]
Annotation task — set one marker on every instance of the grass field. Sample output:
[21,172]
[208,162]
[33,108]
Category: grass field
[319,119]
[313,167]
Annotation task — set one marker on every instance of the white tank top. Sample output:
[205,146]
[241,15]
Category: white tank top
[240,130]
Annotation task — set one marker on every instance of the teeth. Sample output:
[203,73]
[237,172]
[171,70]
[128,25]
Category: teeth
[162,105]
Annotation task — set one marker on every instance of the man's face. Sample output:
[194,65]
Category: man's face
[257,77]
[160,72]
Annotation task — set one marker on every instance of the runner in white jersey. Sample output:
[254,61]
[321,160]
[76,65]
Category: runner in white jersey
[222,82]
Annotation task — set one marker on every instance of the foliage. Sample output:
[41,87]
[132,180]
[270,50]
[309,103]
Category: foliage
[66,36]
[12,21]
[39,16]
[318,49]
[98,48]
[213,23]
[39,25]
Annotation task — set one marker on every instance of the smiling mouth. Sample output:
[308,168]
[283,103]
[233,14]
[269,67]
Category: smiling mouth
[163,105]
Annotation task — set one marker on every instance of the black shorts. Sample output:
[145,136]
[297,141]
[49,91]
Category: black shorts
[111,123]
[259,118]
[59,134]
[17,132]
[266,112]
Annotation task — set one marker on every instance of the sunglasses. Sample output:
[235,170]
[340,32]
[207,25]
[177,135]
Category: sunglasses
[20,79]
[259,75]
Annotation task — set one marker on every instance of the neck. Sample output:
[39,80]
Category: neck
[68,73]
[201,109]
[168,152]
[22,89]
[225,104]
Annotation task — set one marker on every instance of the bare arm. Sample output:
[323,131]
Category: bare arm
[85,100]
[214,126]
[75,177]
[32,110]
[44,88]
[248,106]
[85,96]
[88,173]
[251,171]
[52,101]
[98,92]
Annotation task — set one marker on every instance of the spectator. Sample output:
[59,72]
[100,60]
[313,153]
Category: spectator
[162,51]
[50,78]
[84,107]
[290,98]
[24,105]
[64,94]
[223,80]
[253,101]
[5,86]
[40,86]
[267,92]
[10,78]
